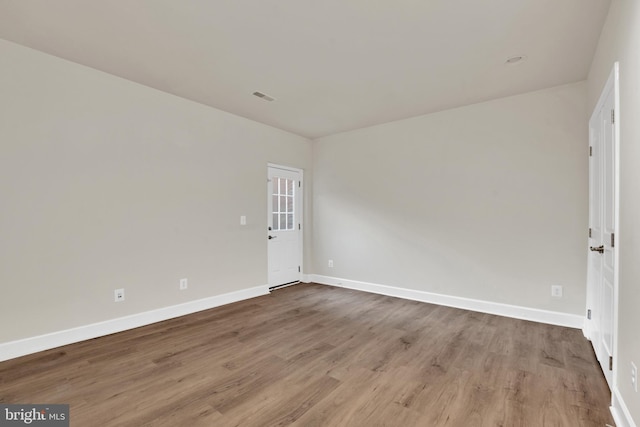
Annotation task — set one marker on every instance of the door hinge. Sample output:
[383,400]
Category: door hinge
[299,227]
[611,363]
[613,239]
[590,151]
[613,116]
[589,231]
[589,314]
[299,184]
[298,269]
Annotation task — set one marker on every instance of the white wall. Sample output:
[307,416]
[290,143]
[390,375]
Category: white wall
[486,202]
[105,184]
[620,41]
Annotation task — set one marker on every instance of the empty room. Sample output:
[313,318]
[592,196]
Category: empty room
[334,213]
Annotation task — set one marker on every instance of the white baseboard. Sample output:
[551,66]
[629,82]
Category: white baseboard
[306,278]
[517,312]
[13,349]
[619,410]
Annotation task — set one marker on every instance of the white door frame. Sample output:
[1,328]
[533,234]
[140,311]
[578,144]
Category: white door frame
[612,84]
[299,206]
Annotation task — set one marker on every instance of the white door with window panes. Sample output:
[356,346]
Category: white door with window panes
[284,228]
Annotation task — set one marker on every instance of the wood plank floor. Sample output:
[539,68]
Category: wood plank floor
[313,355]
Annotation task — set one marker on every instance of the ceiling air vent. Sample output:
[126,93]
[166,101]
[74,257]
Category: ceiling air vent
[516,59]
[264,96]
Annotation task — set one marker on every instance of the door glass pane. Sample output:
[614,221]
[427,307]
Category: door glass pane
[283,203]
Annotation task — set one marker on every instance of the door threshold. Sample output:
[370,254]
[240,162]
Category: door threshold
[284,285]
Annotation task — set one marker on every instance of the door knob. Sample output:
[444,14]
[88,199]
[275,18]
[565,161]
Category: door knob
[272,237]
[598,249]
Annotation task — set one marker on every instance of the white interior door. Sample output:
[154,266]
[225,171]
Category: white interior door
[602,288]
[594,266]
[284,233]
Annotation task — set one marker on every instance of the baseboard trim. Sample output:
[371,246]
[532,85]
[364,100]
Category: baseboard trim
[23,347]
[619,410]
[517,312]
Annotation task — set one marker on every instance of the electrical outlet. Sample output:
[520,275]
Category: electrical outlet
[556,291]
[118,295]
[183,284]
[330,263]
[634,377]
[243,220]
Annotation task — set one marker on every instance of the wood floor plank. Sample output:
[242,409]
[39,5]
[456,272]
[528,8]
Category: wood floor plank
[313,355]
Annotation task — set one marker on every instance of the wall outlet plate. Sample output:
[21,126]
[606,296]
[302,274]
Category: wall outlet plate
[183,284]
[556,291]
[118,295]
[330,263]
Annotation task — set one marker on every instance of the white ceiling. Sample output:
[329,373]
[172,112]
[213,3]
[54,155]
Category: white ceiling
[332,65]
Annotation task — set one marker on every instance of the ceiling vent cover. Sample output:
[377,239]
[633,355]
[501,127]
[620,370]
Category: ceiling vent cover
[264,96]
[516,59]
